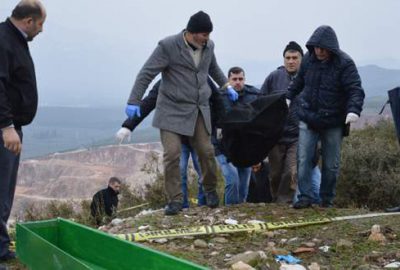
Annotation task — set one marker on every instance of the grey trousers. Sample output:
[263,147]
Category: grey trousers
[9,163]
[201,142]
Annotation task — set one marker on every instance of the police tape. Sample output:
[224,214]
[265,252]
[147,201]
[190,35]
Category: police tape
[217,229]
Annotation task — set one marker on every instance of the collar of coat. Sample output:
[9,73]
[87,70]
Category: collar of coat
[184,43]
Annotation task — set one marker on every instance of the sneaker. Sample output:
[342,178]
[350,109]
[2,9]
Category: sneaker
[301,204]
[10,255]
[173,208]
[212,199]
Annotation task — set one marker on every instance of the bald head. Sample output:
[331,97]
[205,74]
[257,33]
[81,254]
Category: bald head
[29,17]
[28,9]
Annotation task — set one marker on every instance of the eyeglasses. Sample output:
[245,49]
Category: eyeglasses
[237,79]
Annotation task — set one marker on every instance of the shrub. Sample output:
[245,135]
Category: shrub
[370,168]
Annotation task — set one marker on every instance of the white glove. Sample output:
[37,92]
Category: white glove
[351,118]
[122,134]
[288,102]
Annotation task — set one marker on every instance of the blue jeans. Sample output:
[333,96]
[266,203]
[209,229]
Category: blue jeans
[315,183]
[186,152]
[236,181]
[331,140]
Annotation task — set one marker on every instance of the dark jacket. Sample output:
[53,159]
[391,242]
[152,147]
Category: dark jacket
[247,95]
[279,80]
[330,89]
[104,202]
[146,107]
[18,92]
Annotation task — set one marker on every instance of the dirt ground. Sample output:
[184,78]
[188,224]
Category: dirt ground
[334,245]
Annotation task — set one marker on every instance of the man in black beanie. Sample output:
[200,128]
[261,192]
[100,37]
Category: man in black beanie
[282,157]
[185,61]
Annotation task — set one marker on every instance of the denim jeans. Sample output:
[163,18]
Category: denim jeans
[331,140]
[236,181]
[188,151]
[315,183]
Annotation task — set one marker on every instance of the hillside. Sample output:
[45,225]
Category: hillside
[79,174]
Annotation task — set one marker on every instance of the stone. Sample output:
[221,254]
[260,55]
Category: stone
[241,266]
[199,243]
[250,257]
[314,266]
[376,234]
[116,221]
[303,250]
[309,244]
[343,243]
[220,240]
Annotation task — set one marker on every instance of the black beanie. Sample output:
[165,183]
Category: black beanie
[199,23]
[293,46]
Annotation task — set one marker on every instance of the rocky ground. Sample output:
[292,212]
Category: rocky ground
[336,245]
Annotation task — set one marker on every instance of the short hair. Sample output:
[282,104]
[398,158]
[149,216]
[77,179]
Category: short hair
[25,10]
[114,180]
[235,70]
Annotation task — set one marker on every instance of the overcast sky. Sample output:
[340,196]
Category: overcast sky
[91,50]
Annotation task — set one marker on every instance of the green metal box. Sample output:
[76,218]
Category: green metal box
[63,244]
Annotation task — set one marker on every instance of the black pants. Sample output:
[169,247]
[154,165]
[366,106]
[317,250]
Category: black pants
[259,187]
[9,163]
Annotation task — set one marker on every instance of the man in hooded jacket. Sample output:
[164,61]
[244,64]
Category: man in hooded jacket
[330,97]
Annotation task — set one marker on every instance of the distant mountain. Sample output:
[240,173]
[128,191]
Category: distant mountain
[377,80]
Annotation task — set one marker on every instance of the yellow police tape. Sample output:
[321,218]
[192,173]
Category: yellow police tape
[205,229]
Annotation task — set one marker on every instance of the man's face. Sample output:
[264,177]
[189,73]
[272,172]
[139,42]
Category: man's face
[322,54]
[236,80]
[292,60]
[115,186]
[34,26]
[200,39]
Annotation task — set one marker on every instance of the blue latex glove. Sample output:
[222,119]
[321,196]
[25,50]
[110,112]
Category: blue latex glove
[132,111]
[232,94]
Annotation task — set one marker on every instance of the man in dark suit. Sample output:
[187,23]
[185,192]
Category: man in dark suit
[18,101]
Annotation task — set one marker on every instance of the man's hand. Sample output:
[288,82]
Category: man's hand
[132,110]
[11,140]
[351,118]
[122,134]
[232,94]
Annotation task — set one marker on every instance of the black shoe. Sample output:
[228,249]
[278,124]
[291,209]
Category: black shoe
[173,208]
[326,205]
[393,209]
[10,255]
[212,199]
[301,204]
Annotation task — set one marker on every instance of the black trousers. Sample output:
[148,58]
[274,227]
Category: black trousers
[9,163]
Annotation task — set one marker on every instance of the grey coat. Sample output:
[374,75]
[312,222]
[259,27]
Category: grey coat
[184,90]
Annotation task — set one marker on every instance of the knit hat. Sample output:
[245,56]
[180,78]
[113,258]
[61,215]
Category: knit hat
[293,46]
[199,23]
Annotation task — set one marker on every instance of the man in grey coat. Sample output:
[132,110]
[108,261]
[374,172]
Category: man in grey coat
[185,60]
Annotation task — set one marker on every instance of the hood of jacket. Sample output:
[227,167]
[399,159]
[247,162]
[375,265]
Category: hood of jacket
[324,37]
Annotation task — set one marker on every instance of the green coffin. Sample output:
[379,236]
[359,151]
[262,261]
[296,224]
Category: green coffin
[63,244]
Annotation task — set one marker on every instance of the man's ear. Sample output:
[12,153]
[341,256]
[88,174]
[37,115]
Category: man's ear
[28,21]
